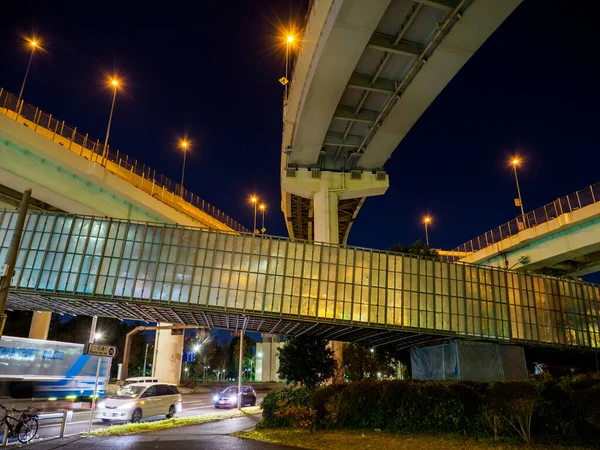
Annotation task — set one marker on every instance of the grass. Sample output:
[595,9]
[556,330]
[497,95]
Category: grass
[147,427]
[355,440]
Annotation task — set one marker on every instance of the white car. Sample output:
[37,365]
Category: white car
[134,380]
[139,401]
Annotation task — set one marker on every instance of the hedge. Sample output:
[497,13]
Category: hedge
[566,408]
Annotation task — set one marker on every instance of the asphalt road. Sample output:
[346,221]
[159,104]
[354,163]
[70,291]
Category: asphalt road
[193,405]
[208,436]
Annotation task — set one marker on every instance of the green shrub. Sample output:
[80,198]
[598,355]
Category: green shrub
[567,408]
[272,406]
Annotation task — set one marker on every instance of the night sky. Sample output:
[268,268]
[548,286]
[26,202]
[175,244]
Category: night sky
[210,69]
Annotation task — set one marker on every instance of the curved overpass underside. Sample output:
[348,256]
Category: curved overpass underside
[365,73]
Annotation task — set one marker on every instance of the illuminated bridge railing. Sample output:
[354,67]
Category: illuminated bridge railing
[159,265]
[121,165]
[562,205]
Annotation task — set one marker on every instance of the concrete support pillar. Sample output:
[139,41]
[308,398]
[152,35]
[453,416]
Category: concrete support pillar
[326,229]
[267,359]
[40,325]
[168,353]
[326,191]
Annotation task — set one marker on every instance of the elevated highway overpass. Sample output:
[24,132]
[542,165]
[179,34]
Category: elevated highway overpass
[65,169]
[561,238]
[365,72]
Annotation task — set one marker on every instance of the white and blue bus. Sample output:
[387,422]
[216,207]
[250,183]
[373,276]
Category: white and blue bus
[32,368]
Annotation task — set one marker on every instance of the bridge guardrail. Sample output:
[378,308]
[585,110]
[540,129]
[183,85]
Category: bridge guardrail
[129,169]
[550,211]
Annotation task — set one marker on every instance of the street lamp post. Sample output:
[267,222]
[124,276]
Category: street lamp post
[427,221]
[288,41]
[184,146]
[115,85]
[254,199]
[515,163]
[262,208]
[34,45]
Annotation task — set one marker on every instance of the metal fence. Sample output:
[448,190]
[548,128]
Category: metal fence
[159,265]
[558,207]
[116,162]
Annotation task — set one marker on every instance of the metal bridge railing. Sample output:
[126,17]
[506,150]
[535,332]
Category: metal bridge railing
[121,165]
[558,207]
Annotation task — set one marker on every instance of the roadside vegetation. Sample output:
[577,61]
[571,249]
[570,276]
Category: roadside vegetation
[548,410]
[159,425]
[357,440]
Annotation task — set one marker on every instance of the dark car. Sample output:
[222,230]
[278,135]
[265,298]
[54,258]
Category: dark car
[229,397]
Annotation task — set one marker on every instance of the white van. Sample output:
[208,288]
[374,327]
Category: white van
[133,380]
[138,401]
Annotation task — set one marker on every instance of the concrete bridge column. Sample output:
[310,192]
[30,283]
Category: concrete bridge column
[326,191]
[40,325]
[168,354]
[267,359]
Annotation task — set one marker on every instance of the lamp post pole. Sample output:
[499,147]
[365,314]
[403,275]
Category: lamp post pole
[114,82]
[34,45]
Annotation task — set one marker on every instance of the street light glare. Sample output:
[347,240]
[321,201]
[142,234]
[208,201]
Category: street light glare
[184,144]
[253,199]
[97,336]
[262,207]
[114,82]
[33,43]
[427,219]
[290,38]
[515,161]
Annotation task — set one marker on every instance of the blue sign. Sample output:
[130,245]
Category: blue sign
[188,357]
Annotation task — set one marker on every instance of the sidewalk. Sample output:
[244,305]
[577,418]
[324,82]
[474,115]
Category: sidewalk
[212,435]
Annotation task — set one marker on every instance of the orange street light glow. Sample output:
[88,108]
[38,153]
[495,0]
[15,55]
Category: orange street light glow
[114,82]
[33,43]
[290,38]
[253,199]
[184,144]
[515,161]
[262,207]
[427,219]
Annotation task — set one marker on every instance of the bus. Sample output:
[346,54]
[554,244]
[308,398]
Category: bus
[32,368]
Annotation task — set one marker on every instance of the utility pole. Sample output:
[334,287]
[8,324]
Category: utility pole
[239,392]
[8,266]
[145,359]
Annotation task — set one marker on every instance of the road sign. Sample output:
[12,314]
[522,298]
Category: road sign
[283,80]
[188,357]
[101,350]
[263,229]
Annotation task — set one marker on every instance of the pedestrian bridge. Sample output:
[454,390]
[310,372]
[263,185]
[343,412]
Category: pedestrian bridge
[177,274]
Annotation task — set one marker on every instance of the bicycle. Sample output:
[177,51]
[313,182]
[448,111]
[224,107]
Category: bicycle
[23,427]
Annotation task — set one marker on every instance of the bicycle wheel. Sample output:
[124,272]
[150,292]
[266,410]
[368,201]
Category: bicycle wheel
[29,429]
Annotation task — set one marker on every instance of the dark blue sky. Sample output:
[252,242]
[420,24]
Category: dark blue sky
[210,69]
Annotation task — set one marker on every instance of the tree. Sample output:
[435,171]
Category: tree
[219,362]
[306,360]
[248,354]
[362,362]
[417,249]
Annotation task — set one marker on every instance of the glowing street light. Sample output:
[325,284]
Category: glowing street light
[254,199]
[519,202]
[184,145]
[34,44]
[114,83]
[427,221]
[196,348]
[97,336]
[262,208]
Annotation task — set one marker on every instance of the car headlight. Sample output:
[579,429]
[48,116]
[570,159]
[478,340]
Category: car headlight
[215,398]
[127,405]
[101,405]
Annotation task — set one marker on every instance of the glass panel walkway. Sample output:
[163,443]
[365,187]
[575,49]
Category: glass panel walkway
[119,268]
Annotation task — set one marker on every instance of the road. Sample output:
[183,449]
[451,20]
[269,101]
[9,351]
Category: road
[193,405]
[208,436]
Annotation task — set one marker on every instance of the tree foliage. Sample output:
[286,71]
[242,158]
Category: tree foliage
[361,362]
[417,249]
[306,360]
